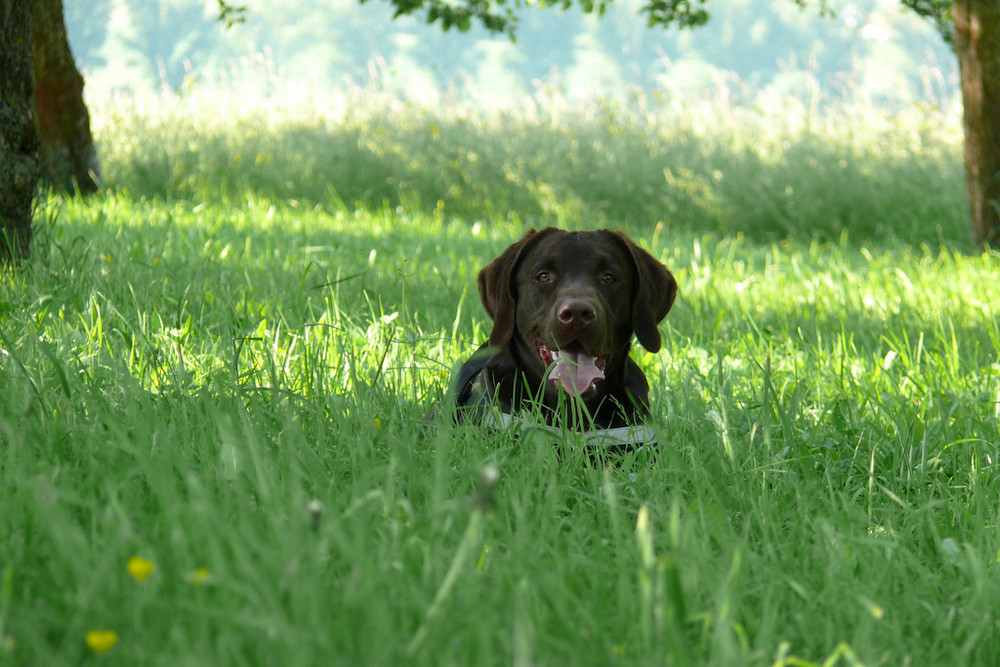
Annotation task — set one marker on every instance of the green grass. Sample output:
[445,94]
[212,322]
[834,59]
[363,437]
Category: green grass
[261,307]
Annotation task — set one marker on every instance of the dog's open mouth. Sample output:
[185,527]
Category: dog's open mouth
[575,368]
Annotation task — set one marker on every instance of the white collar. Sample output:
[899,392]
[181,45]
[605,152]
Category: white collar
[631,436]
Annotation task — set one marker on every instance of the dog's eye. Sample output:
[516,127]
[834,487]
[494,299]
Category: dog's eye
[544,277]
[608,278]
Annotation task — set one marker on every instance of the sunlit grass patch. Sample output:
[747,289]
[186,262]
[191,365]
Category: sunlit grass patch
[763,169]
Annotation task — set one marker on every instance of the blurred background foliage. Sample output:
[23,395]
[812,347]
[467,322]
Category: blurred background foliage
[875,49]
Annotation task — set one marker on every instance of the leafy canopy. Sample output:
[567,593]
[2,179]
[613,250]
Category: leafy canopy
[498,16]
[938,11]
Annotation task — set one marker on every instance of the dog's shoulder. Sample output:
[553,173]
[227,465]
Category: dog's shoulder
[470,385]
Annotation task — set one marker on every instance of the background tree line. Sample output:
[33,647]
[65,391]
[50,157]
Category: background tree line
[881,47]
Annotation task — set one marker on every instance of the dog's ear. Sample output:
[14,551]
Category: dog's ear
[654,292]
[498,291]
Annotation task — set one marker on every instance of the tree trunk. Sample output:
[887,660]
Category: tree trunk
[977,43]
[18,137]
[68,158]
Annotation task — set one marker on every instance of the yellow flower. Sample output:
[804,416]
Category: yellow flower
[9,643]
[198,576]
[101,641]
[140,568]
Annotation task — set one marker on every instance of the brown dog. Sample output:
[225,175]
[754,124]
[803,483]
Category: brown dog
[564,307]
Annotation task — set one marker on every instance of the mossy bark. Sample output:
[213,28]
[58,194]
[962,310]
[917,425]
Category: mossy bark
[68,158]
[18,136]
[977,43]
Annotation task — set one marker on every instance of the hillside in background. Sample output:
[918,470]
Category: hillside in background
[870,48]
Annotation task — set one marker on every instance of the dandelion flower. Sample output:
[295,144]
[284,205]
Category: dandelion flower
[101,641]
[198,576]
[140,568]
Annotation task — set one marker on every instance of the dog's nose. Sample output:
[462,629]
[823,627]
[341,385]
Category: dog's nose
[576,313]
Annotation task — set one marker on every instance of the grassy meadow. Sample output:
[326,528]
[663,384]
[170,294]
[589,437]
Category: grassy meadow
[213,376]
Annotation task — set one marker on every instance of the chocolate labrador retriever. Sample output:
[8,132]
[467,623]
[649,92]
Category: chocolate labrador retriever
[564,307]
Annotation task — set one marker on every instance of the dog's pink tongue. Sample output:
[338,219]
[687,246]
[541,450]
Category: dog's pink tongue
[575,370]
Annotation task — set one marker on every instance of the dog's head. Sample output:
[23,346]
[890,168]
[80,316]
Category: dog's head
[570,302]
